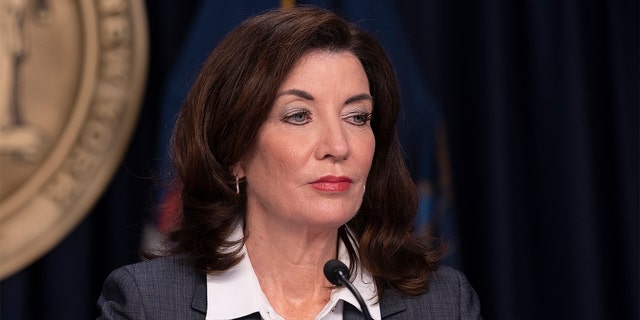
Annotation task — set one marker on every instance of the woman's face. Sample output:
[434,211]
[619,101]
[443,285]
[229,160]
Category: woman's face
[314,152]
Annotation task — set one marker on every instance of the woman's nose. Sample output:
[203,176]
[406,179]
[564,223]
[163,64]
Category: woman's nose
[333,142]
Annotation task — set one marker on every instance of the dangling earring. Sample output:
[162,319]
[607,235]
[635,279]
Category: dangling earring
[237,185]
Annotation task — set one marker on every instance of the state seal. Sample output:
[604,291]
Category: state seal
[72,76]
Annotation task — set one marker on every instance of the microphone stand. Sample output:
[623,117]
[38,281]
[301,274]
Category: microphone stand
[338,273]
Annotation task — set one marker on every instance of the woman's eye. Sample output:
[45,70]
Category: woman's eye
[298,118]
[359,119]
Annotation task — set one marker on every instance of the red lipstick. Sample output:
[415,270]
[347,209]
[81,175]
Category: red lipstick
[332,184]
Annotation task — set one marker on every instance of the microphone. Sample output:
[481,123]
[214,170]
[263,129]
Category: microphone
[338,273]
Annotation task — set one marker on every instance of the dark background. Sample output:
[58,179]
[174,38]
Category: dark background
[520,125]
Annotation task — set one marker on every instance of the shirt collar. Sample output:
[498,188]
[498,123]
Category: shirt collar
[236,292]
[362,281]
[233,293]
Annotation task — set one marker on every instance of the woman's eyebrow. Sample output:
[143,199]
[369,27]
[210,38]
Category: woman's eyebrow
[296,92]
[307,96]
[359,97]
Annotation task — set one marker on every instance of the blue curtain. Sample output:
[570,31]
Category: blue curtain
[520,125]
[541,106]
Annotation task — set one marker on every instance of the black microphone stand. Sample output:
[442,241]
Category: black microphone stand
[338,274]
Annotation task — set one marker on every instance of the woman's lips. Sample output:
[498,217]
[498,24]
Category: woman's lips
[332,184]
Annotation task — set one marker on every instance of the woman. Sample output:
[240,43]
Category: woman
[288,157]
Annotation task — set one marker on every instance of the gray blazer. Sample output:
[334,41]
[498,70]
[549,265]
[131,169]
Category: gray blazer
[168,288]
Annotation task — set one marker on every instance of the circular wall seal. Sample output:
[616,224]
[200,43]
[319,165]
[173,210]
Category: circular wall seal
[72,75]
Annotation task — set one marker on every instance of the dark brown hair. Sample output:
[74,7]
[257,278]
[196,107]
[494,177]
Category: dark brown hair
[222,115]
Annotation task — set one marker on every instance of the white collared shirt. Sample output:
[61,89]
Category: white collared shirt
[236,292]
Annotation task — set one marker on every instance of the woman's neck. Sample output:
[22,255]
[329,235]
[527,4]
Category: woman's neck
[289,266]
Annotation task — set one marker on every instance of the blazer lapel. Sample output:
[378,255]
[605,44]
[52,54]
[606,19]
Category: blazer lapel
[391,303]
[199,301]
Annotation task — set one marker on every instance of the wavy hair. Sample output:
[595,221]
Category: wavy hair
[220,119]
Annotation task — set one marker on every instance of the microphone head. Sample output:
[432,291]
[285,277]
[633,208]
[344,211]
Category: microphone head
[332,270]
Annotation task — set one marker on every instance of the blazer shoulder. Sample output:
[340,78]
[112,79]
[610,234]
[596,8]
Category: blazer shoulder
[158,288]
[447,279]
[449,296]
[451,292]
[175,265]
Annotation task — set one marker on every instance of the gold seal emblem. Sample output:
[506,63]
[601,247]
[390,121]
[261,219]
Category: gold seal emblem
[72,75]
